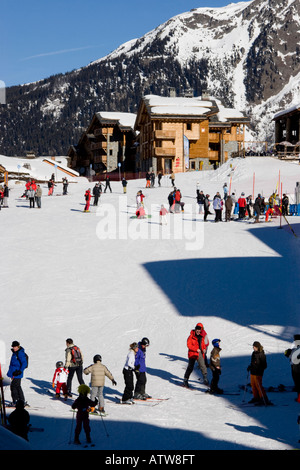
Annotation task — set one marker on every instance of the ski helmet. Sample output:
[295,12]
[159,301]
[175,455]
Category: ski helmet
[59,364]
[145,342]
[216,342]
[97,358]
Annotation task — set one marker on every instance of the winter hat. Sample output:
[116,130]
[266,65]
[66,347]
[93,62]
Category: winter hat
[216,342]
[15,344]
[199,326]
[83,389]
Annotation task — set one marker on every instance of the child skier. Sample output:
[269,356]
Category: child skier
[163,215]
[83,404]
[215,367]
[98,373]
[87,197]
[60,380]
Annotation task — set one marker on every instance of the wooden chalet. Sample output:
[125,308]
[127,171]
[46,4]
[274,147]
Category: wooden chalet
[180,133]
[287,131]
[107,142]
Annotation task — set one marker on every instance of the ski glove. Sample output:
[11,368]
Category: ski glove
[114,382]
[17,372]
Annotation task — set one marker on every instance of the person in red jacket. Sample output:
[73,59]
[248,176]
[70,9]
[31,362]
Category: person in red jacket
[242,206]
[197,344]
[87,197]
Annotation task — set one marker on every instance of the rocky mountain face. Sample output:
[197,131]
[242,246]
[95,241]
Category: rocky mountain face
[246,54]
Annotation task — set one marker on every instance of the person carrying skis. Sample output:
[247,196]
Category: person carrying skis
[18,364]
[294,355]
[98,373]
[256,368]
[83,404]
[59,380]
[140,371]
[73,363]
[215,367]
[197,344]
[19,420]
[128,373]
[87,198]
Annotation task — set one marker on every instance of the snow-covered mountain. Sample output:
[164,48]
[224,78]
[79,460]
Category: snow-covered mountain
[246,54]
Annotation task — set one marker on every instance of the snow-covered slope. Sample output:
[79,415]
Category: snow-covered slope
[107,280]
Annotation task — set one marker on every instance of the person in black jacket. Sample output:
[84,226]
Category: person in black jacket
[256,368]
[83,404]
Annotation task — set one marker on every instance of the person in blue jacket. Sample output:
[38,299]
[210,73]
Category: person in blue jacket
[18,364]
[140,371]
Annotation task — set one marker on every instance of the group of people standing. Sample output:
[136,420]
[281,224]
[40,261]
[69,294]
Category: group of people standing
[4,195]
[33,193]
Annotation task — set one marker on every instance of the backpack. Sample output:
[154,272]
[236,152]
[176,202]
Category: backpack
[76,355]
[26,356]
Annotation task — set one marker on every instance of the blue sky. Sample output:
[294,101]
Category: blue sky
[39,38]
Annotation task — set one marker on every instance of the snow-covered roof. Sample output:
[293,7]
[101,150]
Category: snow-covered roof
[287,111]
[124,119]
[178,106]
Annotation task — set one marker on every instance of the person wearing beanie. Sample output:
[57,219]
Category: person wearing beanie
[256,368]
[128,374]
[294,356]
[98,373]
[18,364]
[82,404]
[215,366]
[197,344]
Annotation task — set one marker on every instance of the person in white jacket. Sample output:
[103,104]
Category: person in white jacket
[128,374]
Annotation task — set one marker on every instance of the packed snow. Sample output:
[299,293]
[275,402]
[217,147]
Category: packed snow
[107,280]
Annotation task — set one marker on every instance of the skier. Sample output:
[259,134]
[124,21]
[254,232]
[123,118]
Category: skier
[140,371]
[225,189]
[217,205]
[18,364]
[38,196]
[65,186]
[19,420]
[73,363]
[256,368]
[96,193]
[163,215]
[5,196]
[200,201]
[249,205]
[206,207]
[59,380]
[242,206]
[159,177]
[228,208]
[215,367]
[31,196]
[98,373]
[285,205]
[197,344]
[124,184]
[294,356]
[128,373]
[83,404]
[107,184]
[87,197]
[258,207]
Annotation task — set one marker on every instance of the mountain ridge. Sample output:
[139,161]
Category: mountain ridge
[246,54]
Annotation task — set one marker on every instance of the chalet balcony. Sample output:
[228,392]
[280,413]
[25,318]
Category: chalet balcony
[98,145]
[213,155]
[214,137]
[164,152]
[165,135]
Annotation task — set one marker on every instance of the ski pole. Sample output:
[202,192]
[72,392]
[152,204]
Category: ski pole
[105,429]
[71,432]
[245,388]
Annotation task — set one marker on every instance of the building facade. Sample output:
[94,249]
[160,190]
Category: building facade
[108,142]
[287,129]
[178,134]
